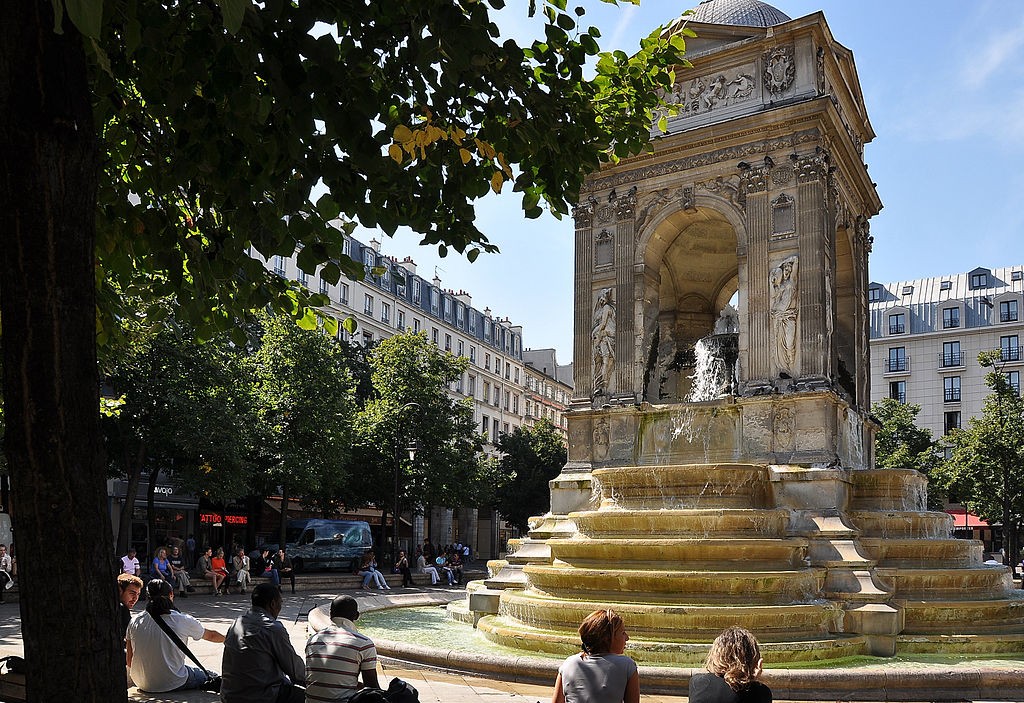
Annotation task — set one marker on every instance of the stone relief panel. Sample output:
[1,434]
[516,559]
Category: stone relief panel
[604,249]
[784,313]
[779,70]
[583,215]
[783,217]
[601,439]
[784,426]
[603,340]
[728,187]
[653,204]
[708,93]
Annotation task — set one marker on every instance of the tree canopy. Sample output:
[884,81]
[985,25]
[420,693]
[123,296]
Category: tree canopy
[531,457]
[901,444]
[151,147]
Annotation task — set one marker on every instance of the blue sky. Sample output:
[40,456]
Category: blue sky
[944,91]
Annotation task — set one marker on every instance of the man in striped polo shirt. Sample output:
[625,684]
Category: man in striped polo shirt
[337,655]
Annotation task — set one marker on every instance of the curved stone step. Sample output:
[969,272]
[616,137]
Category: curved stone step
[701,522]
[903,552]
[969,643]
[694,586]
[973,583]
[681,486]
[711,551]
[888,489]
[901,524]
[962,616]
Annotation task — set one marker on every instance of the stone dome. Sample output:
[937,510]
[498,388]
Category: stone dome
[745,13]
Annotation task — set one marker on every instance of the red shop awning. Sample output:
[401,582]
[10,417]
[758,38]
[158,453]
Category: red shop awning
[972,519]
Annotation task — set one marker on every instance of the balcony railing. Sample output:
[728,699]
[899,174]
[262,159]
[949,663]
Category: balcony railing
[897,365]
[1009,354]
[897,328]
[901,397]
[951,395]
[948,324]
[1008,316]
[951,359]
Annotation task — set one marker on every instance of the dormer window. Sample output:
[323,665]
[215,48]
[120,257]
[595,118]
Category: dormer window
[946,285]
[1017,276]
[979,278]
[898,323]
[874,294]
[907,290]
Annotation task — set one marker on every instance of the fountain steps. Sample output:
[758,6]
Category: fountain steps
[787,553]
[972,583]
[664,651]
[955,553]
[701,522]
[961,614]
[901,524]
[982,643]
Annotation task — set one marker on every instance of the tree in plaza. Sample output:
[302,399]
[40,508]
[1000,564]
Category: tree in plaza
[531,457]
[985,471]
[412,406]
[901,444]
[305,401]
[149,147]
[184,407]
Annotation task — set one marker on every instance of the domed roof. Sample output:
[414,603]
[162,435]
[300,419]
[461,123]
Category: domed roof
[745,13]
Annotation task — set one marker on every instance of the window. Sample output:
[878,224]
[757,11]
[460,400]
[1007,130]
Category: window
[497,366]
[434,335]
[508,370]
[386,278]
[979,280]
[515,403]
[458,384]
[951,389]
[529,409]
[325,287]
[907,290]
[951,355]
[1008,311]
[487,361]
[368,304]
[946,285]
[508,400]
[279,265]
[874,294]
[897,360]
[368,258]
[415,324]
[401,320]
[472,385]
[472,354]
[459,317]
[898,391]
[950,421]
[447,342]
[367,338]
[487,392]
[385,312]
[1013,378]
[1017,275]
[462,348]
[472,322]
[1009,348]
[346,247]
[343,293]
[517,374]
[504,426]
[496,397]
[435,298]
[416,290]
[897,323]
[495,428]
[485,424]
[950,318]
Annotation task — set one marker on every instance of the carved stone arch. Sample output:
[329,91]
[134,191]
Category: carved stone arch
[723,207]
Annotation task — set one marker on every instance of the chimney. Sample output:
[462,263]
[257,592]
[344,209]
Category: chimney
[375,244]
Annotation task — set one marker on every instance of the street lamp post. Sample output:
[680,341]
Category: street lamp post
[411,449]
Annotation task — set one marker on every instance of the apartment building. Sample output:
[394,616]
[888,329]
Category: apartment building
[548,388]
[393,298]
[926,335]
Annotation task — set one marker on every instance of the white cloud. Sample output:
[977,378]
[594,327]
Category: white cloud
[1000,53]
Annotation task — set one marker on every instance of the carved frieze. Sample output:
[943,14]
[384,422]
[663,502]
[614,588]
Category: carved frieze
[782,175]
[654,204]
[605,213]
[754,179]
[812,167]
[583,215]
[779,70]
[689,201]
[712,92]
[730,188]
[601,439]
[708,158]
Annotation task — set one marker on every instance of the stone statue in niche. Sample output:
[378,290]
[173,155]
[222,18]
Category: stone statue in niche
[603,339]
[783,280]
[601,439]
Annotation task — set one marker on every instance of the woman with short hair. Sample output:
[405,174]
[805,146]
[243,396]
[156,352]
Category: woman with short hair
[601,673]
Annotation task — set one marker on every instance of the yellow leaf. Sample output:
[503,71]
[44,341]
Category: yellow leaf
[402,133]
[497,180]
[395,152]
[466,156]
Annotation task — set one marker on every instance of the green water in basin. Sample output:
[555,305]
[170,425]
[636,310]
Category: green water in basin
[431,627]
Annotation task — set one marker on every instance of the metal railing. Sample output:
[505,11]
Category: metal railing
[951,359]
[951,395]
[897,329]
[897,365]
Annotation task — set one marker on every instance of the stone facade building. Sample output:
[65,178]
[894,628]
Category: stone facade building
[548,388]
[926,335]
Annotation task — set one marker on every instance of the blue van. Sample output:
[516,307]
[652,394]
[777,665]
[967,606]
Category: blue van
[328,544]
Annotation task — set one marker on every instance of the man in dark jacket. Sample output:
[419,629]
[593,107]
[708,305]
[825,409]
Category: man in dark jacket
[259,660]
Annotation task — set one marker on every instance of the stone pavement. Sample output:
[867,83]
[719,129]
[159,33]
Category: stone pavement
[434,686]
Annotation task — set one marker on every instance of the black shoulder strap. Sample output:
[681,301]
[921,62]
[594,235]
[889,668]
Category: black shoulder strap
[177,640]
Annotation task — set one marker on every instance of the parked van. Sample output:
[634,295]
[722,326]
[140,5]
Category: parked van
[328,544]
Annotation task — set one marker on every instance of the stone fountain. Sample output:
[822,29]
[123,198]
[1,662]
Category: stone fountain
[720,465]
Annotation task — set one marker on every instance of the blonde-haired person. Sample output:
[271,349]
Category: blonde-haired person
[734,664]
[601,673]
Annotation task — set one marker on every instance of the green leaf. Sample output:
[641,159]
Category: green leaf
[86,15]
[350,325]
[327,207]
[472,254]
[233,12]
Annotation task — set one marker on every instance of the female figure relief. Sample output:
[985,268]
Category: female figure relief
[603,337]
[784,313]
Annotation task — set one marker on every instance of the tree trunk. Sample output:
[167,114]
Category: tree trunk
[48,187]
[124,524]
[282,532]
[154,472]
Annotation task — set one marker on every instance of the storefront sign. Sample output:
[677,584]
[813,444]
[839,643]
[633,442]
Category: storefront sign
[210,518]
